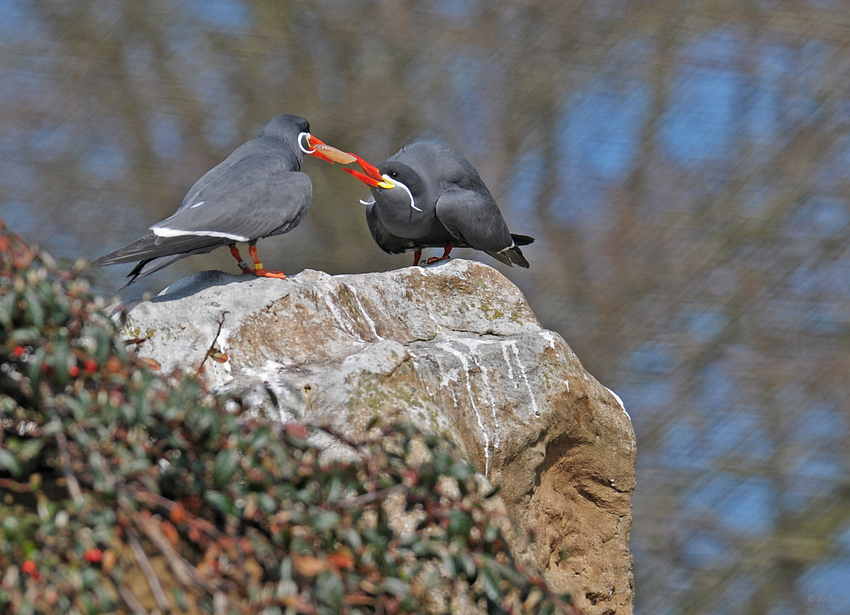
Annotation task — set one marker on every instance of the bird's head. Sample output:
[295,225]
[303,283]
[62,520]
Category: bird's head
[293,128]
[394,180]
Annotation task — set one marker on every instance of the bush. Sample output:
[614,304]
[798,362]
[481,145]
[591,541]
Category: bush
[122,490]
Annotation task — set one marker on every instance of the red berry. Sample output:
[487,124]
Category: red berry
[18,351]
[30,568]
[73,371]
[93,556]
[90,365]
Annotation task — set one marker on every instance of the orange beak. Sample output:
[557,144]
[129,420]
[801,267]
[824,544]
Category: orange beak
[326,152]
[372,177]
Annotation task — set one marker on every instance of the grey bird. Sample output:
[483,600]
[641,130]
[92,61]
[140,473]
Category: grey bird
[429,196]
[258,191]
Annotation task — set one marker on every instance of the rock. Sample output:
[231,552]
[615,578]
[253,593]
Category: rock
[454,348]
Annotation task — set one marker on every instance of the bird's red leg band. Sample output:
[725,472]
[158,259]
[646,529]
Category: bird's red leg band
[416,256]
[242,264]
[260,270]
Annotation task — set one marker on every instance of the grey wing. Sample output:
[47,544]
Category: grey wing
[389,243]
[249,201]
[474,219]
[152,247]
[153,253]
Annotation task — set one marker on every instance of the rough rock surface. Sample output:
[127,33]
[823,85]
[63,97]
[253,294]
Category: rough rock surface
[454,348]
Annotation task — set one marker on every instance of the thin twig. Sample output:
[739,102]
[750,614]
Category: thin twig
[368,498]
[147,569]
[161,543]
[149,497]
[185,572]
[212,345]
[11,485]
[131,601]
[67,470]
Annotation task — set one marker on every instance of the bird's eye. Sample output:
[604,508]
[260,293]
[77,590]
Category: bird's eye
[393,174]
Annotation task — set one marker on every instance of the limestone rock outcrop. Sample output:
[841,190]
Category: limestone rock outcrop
[454,348]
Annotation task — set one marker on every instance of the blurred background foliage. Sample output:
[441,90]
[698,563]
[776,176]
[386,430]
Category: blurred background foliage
[683,166]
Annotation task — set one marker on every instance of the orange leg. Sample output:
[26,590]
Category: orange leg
[446,251]
[416,255]
[259,270]
[242,264]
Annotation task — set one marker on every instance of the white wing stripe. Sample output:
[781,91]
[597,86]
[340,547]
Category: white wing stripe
[162,231]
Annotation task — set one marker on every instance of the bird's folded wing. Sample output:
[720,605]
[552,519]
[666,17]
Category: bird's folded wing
[241,205]
[150,246]
[474,218]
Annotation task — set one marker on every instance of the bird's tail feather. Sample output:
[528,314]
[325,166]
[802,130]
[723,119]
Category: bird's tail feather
[149,266]
[151,247]
[511,256]
[501,257]
[515,254]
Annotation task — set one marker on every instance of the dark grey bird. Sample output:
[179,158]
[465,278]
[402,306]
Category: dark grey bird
[258,191]
[429,196]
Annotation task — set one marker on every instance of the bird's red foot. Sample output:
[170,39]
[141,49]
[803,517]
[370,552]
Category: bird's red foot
[436,259]
[263,273]
[259,270]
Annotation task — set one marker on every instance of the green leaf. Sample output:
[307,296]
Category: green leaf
[267,503]
[9,462]
[460,523]
[7,307]
[104,345]
[224,467]
[53,428]
[490,585]
[449,563]
[79,409]
[352,537]
[469,568]
[91,577]
[25,335]
[35,309]
[329,589]
[325,521]
[180,599]
[547,609]
[138,465]
[30,449]
[395,586]
[260,438]
[219,501]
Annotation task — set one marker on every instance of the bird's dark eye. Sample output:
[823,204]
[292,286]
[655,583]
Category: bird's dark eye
[393,174]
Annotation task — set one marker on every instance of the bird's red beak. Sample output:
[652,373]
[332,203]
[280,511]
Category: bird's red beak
[328,153]
[372,177]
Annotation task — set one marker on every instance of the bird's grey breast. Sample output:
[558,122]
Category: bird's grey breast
[392,207]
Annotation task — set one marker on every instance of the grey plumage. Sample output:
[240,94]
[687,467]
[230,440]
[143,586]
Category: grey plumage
[451,205]
[258,191]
